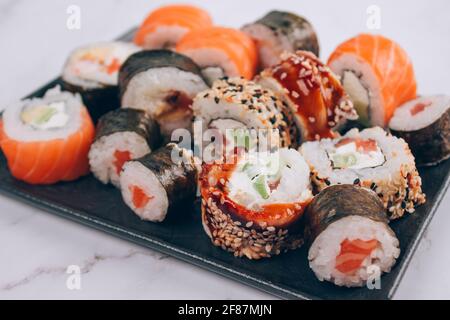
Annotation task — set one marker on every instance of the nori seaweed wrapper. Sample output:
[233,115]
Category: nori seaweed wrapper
[178,179]
[431,144]
[97,100]
[340,201]
[150,59]
[291,26]
[129,120]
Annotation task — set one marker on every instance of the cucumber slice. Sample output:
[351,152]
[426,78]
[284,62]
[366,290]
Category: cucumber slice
[342,161]
[260,185]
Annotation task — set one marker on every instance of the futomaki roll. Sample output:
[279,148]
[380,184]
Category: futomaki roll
[312,92]
[47,140]
[236,103]
[373,159]
[153,184]
[93,72]
[122,135]
[162,83]
[377,74]
[424,123]
[279,32]
[351,241]
[253,206]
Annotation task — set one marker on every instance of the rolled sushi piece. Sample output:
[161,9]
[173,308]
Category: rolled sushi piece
[93,71]
[253,206]
[312,92]
[279,32]
[46,140]
[221,52]
[373,159]
[162,83]
[122,135]
[165,26]
[424,123]
[351,241]
[377,74]
[155,183]
[236,103]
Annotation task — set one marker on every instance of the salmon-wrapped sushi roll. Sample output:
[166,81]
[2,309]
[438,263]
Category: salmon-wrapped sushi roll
[221,52]
[312,92]
[252,206]
[47,140]
[377,74]
[165,26]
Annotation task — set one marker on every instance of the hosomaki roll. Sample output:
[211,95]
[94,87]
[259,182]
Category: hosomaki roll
[221,52]
[163,179]
[236,103]
[122,135]
[163,83]
[377,74]
[165,26]
[253,206]
[279,32]
[373,159]
[424,123]
[312,92]
[47,140]
[351,241]
[93,71]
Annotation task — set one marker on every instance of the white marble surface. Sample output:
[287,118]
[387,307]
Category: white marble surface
[36,248]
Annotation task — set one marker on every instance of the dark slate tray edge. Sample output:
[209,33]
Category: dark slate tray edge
[160,246]
[419,235]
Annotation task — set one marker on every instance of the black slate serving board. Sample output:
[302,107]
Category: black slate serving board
[89,202]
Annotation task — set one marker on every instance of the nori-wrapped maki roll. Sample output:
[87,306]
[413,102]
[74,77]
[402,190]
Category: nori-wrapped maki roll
[158,181]
[349,234]
[280,31]
[424,123]
[122,135]
[93,71]
[163,83]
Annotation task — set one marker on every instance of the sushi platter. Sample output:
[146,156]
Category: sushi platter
[240,151]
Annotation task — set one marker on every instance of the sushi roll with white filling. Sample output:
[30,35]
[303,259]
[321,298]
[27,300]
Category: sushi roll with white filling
[373,159]
[155,183]
[122,135]
[351,241]
[253,206]
[279,32]
[47,139]
[93,71]
[424,123]
[162,83]
[235,103]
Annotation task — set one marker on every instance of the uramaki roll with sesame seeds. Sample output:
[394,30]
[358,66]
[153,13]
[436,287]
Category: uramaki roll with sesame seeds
[373,159]
[253,206]
[312,92]
[236,103]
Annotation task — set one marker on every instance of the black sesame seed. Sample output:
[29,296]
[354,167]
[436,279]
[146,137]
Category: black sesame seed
[373,186]
[403,204]
[206,95]
[244,101]
[357,181]
[216,99]
[327,182]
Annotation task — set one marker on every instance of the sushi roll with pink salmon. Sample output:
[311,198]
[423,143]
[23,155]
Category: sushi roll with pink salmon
[159,181]
[122,135]
[279,32]
[424,123]
[350,240]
